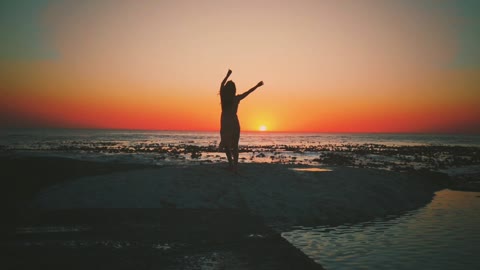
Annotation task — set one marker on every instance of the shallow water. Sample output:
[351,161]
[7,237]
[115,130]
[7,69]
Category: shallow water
[311,169]
[388,151]
[445,234]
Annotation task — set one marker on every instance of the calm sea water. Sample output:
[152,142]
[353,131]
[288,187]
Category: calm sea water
[50,138]
[445,234]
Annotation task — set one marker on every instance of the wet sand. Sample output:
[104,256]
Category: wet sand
[281,196]
[23,176]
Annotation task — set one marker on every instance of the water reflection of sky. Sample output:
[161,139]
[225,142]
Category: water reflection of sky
[442,235]
[311,169]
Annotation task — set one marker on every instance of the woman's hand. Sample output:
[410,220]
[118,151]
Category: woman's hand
[260,84]
[225,79]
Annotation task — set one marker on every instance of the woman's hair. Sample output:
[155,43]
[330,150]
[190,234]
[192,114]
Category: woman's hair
[227,93]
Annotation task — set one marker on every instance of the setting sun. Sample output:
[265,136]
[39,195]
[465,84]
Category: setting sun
[262,128]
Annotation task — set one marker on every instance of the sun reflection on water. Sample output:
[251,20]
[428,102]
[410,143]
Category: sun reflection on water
[311,169]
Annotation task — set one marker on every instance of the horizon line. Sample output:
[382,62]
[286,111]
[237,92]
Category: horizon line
[248,131]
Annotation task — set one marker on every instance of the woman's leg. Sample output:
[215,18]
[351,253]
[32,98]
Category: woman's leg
[235,155]
[226,140]
[236,139]
[229,156]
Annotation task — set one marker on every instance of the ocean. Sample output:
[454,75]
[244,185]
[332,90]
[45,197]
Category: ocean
[51,138]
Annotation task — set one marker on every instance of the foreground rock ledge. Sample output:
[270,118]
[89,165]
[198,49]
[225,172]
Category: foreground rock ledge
[274,192]
[173,239]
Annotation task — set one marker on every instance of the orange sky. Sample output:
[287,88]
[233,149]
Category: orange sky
[328,66]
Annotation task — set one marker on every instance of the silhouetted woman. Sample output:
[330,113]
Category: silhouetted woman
[230,127]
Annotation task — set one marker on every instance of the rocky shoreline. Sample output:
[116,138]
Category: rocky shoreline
[461,163]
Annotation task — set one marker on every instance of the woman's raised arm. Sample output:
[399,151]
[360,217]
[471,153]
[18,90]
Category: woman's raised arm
[244,95]
[225,80]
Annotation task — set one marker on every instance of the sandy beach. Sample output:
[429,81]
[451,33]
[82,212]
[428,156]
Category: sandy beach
[279,194]
[188,217]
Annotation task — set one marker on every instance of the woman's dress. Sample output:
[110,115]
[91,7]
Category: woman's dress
[229,125]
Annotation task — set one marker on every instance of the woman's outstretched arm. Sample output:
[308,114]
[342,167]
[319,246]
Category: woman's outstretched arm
[225,80]
[244,95]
